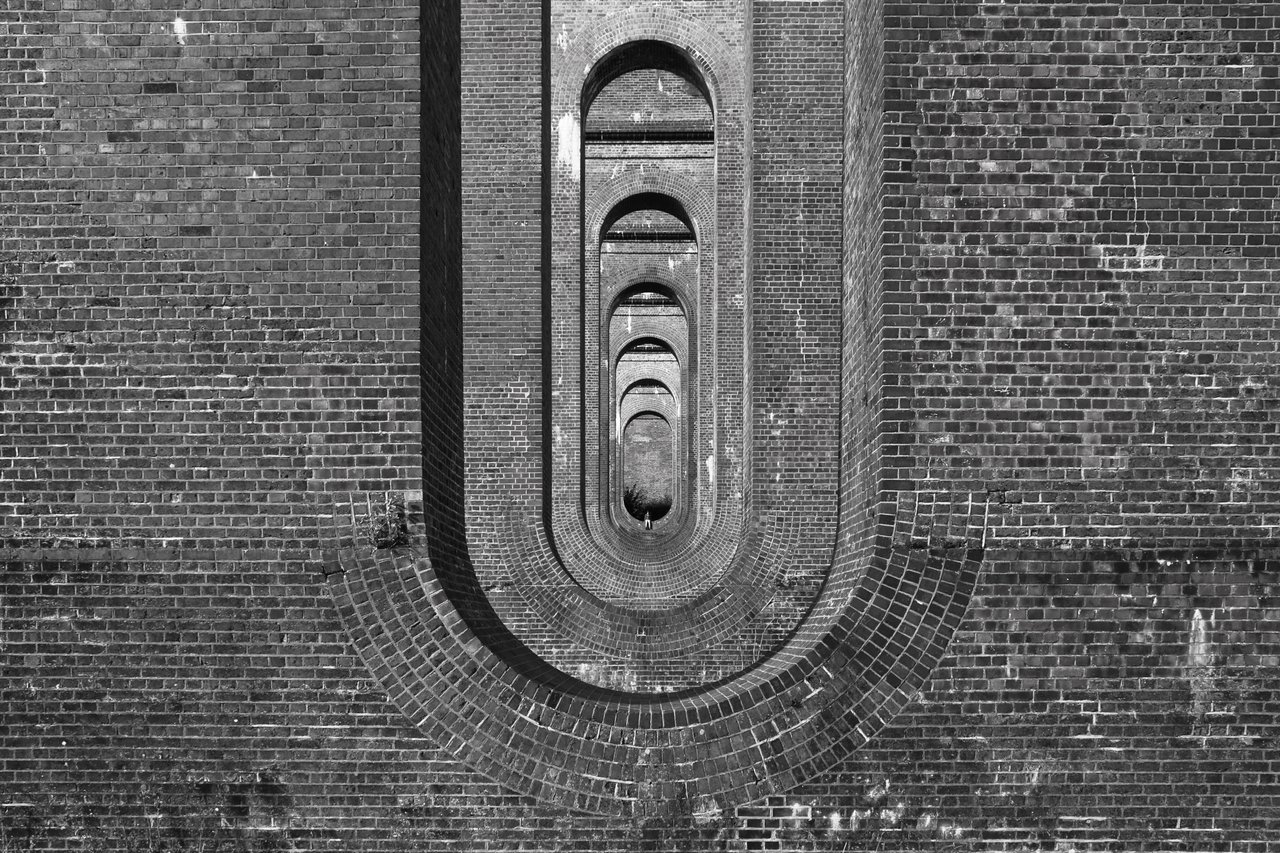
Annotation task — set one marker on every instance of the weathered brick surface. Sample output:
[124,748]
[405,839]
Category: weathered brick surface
[1088,702]
[209,239]
[1084,266]
[1058,410]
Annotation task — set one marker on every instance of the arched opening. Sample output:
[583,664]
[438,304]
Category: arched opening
[652,319]
[648,456]
[642,206]
[647,116]
[645,469]
[646,326]
[648,73]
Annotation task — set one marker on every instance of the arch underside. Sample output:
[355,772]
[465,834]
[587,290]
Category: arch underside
[809,593]
[876,634]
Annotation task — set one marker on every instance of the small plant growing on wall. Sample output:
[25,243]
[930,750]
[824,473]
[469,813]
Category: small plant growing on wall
[385,524]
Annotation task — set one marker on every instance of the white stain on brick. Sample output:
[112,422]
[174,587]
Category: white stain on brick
[1119,258]
[570,137]
[893,816]
[1241,485]
[180,30]
[707,811]
[1199,652]
[1201,675]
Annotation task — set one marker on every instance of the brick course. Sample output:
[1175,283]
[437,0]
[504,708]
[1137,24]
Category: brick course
[1011,288]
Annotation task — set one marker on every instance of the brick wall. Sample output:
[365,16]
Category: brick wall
[210,329]
[209,243]
[1086,263]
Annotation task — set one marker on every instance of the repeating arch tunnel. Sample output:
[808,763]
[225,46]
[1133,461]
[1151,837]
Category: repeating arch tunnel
[534,628]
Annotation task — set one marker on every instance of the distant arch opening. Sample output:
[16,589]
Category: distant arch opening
[627,67]
[648,335]
[649,437]
[648,458]
[647,206]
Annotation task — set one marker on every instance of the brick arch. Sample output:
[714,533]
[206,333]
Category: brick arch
[653,190]
[637,55]
[711,518]
[639,382]
[646,200]
[617,399]
[714,62]
[638,282]
[426,626]
[661,277]
[705,49]
[677,530]
[683,288]
[676,349]
[876,632]
[704,589]
[643,412]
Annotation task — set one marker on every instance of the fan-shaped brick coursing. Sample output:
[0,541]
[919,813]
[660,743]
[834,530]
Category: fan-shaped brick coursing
[716,581]
[448,663]
[444,633]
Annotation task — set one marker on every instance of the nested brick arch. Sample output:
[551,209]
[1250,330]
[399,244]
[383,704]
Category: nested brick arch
[638,55]
[635,189]
[643,382]
[617,42]
[704,589]
[625,319]
[648,336]
[648,223]
[656,281]
[876,632]
[604,277]
[425,623]
[647,453]
[596,54]
[646,197]
[666,366]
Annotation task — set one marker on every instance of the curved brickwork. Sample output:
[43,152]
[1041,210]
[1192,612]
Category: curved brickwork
[602,44]
[873,637]
[711,565]
[649,580]
[613,198]
[875,630]
[628,273]
[644,223]
[651,102]
[676,624]
[210,270]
